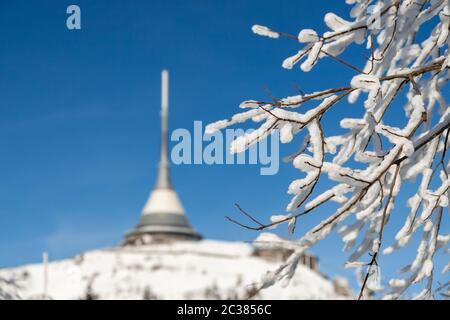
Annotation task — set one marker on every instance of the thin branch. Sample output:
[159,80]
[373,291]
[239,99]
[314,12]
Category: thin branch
[345,63]
[380,233]
[248,215]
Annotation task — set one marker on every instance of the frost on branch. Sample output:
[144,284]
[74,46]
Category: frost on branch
[264,31]
[375,159]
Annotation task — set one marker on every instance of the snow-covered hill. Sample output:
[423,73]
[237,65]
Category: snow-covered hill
[185,270]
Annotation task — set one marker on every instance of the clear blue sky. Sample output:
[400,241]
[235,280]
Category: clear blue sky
[80,121]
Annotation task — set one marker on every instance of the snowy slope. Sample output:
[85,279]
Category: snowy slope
[184,270]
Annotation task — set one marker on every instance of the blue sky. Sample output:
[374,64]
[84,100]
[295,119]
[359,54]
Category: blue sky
[80,116]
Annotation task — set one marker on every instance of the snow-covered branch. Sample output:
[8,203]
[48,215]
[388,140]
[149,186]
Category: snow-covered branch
[371,162]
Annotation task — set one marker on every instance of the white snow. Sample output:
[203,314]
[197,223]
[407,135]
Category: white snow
[308,35]
[312,57]
[185,270]
[366,82]
[286,133]
[249,104]
[264,31]
[335,22]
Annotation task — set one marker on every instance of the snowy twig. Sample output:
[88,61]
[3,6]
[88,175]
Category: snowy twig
[372,159]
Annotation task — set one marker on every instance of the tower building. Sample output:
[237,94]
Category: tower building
[163,218]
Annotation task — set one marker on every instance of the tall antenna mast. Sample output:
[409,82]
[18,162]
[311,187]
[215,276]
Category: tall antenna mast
[163,218]
[164,181]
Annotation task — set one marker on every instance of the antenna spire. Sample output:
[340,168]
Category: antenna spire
[163,218]
[164,181]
